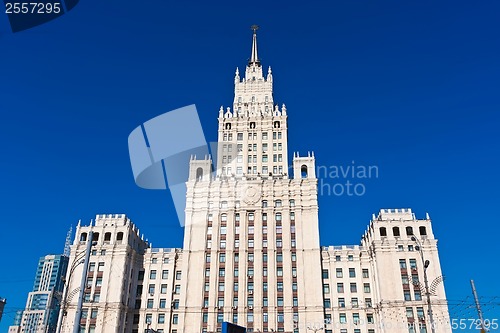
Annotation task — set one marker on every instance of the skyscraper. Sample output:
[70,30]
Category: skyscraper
[42,305]
[251,252]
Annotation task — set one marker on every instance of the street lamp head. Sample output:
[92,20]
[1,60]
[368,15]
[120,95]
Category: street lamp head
[417,248]
[427,263]
[413,238]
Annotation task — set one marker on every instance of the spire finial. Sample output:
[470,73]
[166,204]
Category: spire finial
[254,58]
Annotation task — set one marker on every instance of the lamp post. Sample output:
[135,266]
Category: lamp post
[81,258]
[426,264]
[315,329]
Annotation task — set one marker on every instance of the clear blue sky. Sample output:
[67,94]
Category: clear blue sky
[409,86]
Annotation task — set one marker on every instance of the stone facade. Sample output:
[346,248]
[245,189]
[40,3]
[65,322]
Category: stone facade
[251,252]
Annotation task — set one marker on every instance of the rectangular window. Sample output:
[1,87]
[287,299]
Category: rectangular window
[326,303]
[342,318]
[338,273]
[161,318]
[413,264]
[163,303]
[341,302]
[365,273]
[325,274]
[366,287]
[150,303]
[152,274]
[352,273]
[368,302]
[353,287]
[326,288]
[354,302]
[163,289]
[402,263]
[164,274]
[340,287]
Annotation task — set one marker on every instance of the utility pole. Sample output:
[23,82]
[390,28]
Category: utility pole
[478,306]
[78,314]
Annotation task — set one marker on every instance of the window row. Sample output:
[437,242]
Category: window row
[250,244]
[409,231]
[280,317]
[341,302]
[107,237]
[353,287]
[250,216]
[160,319]
[221,286]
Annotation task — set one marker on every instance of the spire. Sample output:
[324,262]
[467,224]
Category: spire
[254,59]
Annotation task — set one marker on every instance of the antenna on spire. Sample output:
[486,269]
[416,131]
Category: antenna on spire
[254,60]
[67,244]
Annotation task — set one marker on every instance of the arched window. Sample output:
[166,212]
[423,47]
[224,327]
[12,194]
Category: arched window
[383,232]
[252,125]
[278,216]
[223,217]
[264,203]
[409,231]
[95,236]
[422,230]
[253,98]
[83,237]
[107,237]
[303,171]
[278,203]
[395,232]
[276,124]
[119,237]
[199,174]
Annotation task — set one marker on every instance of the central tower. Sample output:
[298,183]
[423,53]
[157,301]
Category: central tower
[253,134]
[251,245]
